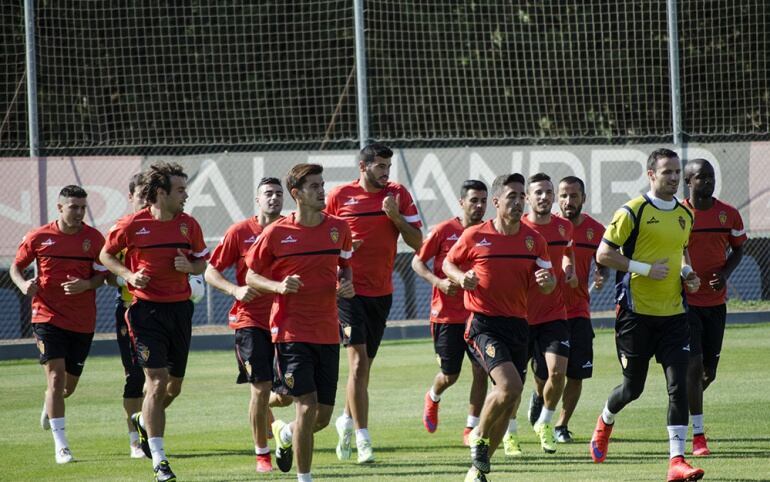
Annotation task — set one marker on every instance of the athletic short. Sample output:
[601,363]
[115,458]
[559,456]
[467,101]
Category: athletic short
[54,342]
[254,352]
[362,320]
[707,331]
[450,346]
[134,385]
[642,336]
[581,349]
[160,333]
[495,340]
[550,337]
[302,368]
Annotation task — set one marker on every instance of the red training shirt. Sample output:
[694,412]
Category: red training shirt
[152,244]
[59,255]
[288,248]
[373,260]
[713,231]
[586,239]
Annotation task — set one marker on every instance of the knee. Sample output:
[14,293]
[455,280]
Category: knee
[278,400]
[450,379]
[632,389]
[323,418]
[709,375]
[56,383]
[557,376]
[260,392]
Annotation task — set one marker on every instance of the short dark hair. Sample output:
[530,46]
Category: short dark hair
[472,184]
[370,152]
[539,177]
[574,180]
[73,191]
[504,180]
[692,164]
[158,176]
[297,175]
[652,161]
[268,180]
[136,180]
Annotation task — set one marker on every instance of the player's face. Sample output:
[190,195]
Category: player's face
[312,193]
[664,179]
[571,200]
[540,196]
[474,205]
[510,203]
[136,200]
[270,199]
[176,198]
[377,172]
[72,210]
[702,181]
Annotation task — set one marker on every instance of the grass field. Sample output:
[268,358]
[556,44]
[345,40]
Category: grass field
[208,437]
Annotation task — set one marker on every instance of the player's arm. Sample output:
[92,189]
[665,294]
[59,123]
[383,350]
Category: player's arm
[601,273]
[28,287]
[446,285]
[116,267]
[345,287]
[74,286]
[467,280]
[690,277]
[732,262]
[568,266]
[216,279]
[412,235]
[290,284]
[184,264]
[609,256]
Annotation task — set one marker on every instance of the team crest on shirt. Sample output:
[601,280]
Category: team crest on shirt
[490,350]
[722,217]
[288,379]
[334,234]
[529,242]
[41,346]
[183,229]
[86,245]
[143,351]
[590,234]
[682,222]
[623,360]
[562,230]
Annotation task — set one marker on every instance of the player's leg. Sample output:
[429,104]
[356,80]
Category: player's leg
[56,380]
[579,368]
[478,393]
[352,315]
[695,376]
[449,346]
[554,343]
[303,429]
[133,387]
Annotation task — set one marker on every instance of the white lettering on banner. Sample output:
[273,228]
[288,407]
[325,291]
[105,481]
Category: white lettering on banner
[431,167]
[115,204]
[210,172]
[23,215]
[480,170]
[630,188]
[538,158]
[517,162]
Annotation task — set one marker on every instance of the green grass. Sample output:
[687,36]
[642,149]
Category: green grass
[208,437]
[748,305]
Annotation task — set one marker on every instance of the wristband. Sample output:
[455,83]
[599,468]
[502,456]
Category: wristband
[686,270]
[639,268]
[120,281]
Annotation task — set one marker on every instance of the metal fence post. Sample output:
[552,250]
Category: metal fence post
[361,90]
[673,67]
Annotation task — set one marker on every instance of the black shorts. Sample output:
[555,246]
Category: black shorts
[550,337]
[581,348]
[642,336]
[450,346]
[362,320]
[302,368]
[707,331]
[498,339]
[160,333]
[254,352]
[54,342]
[134,385]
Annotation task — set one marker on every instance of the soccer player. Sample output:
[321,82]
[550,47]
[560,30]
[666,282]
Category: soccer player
[717,227]
[447,311]
[377,211]
[547,317]
[495,262]
[250,313]
[163,245]
[586,236]
[646,242]
[63,302]
[297,259]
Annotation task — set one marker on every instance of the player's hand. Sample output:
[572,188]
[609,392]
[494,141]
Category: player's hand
[182,263]
[30,287]
[659,269]
[75,286]
[345,288]
[357,243]
[717,281]
[692,282]
[390,206]
[545,279]
[448,287]
[139,279]
[570,277]
[245,293]
[469,281]
[599,279]
[290,284]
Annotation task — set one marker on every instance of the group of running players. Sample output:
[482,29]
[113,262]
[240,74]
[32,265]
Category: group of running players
[509,292]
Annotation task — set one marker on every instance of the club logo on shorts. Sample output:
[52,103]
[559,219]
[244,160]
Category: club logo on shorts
[722,217]
[438,360]
[589,234]
[682,223]
[623,360]
[529,242]
[562,231]
[143,351]
[247,367]
[334,234]
[86,245]
[41,346]
[490,349]
[183,229]
[289,380]
[123,331]
[347,331]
